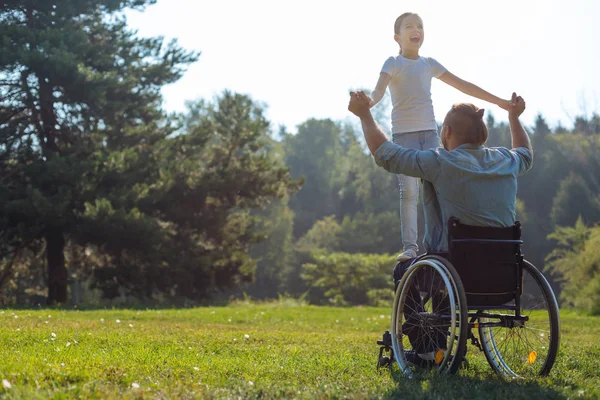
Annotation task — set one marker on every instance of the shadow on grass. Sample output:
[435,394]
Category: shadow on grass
[429,385]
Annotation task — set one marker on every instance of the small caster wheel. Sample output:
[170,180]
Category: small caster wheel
[383,362]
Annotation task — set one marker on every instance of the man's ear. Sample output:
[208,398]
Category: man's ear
[447,131]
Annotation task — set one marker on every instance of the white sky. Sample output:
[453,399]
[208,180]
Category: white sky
[302,57]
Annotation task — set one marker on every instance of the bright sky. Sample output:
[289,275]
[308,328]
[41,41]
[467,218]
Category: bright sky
[302,57]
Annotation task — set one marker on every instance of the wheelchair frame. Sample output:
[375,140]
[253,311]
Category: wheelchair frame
[476,316]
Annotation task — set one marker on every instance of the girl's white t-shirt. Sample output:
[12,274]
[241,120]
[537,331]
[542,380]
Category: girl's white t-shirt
[410,89]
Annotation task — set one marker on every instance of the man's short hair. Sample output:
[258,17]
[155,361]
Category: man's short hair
[466,120]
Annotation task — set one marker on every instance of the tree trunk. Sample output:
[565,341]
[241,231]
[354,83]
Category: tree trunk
[57,272]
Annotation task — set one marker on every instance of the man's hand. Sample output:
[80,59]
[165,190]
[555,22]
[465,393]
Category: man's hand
[359,104]
[517,106]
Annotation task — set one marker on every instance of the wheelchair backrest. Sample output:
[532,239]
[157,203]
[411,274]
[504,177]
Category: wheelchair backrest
[488,261]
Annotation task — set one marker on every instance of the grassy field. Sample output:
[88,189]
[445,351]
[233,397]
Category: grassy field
[252,351]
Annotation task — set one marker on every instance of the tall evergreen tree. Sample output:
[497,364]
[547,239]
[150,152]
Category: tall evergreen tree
[79,104]
[316,154]
[241,171]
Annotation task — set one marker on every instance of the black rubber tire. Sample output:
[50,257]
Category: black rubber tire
[553,312]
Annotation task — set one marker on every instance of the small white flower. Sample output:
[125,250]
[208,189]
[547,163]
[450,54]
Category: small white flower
[18,329]
[75,341]
[62,364]
[102,320]
[196,369]
[68,344]
[45,322]
[229,320]
[16,316]
[382,316]
[250,383]
[6,384]
[131,325]
[53,334]
[189,348]
[135,385]
[235,339]
[580,392]
[246,336]
[49,316]
[118,321]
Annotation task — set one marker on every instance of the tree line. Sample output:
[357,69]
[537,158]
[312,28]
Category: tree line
[102,188]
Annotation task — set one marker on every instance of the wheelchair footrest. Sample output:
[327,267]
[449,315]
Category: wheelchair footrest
[387,339]
[385,347]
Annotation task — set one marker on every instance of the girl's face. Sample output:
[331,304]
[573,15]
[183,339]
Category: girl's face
[412,34]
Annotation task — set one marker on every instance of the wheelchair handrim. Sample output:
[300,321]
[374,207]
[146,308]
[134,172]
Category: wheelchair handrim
[397,312]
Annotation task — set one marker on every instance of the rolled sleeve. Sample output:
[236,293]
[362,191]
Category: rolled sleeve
[524,159]
[401,160]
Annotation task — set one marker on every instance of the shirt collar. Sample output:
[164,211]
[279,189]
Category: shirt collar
[470,146]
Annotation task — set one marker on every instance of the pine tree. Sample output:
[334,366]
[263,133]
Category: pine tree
[80,96]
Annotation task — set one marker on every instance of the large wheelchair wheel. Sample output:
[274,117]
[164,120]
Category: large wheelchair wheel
[528,348]
[429,318]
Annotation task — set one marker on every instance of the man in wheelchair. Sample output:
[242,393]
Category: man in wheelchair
[473,269]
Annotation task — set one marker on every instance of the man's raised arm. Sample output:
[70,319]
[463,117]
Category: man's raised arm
[521,146]
[518,133]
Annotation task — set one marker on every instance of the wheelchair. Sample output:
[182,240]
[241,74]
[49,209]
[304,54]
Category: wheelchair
[482,284]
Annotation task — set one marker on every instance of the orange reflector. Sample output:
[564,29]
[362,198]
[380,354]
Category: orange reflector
[531,358]
[476,325]
[439,356]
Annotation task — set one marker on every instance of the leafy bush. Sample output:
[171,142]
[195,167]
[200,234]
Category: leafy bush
[349,279]
[576,262]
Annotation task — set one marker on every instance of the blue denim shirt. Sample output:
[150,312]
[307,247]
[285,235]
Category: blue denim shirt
[473,183]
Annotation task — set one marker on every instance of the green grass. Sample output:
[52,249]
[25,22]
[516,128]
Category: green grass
[252,351]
